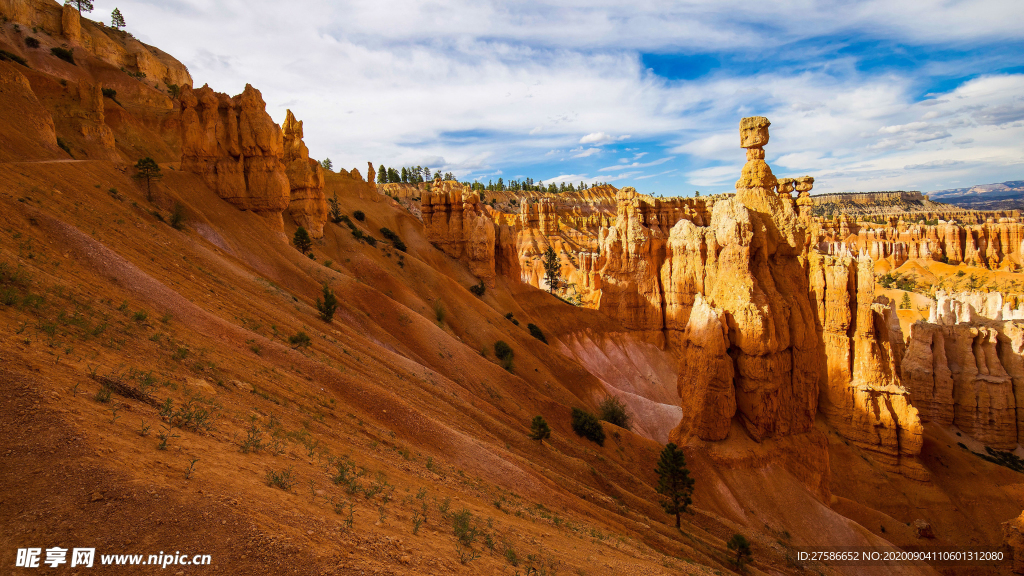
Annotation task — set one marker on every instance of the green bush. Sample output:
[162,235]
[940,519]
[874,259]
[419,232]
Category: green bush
[177,220]
[539,429]
[303,243]
[110,93]
[5,55]
[478,289]
[328,305]
[359,215]
[64,54]
[300,340]
[31,42]
[588,426]
[613,411]
[393,238]
[504,353]
[536,332]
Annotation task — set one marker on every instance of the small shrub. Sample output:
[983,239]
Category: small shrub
[586,425]
[537,333]
[504,354]
[31,42]
[64,54]
[140,316]
[302,241]
[328,305]
[739,545]
[539,429]
[393,238]
[478,289]
[5,55]
[103,395]
[462,526]
[300,340]
[359,215]
[613,411]
[283,479]
[110,93]
[177,219]
[63,145]
[439,312]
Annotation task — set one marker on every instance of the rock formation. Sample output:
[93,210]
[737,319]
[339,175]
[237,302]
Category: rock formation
[1013,536]
[458,224]
[237,148]
[308,206]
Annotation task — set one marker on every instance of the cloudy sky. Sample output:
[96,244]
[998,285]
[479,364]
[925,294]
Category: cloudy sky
[862,95]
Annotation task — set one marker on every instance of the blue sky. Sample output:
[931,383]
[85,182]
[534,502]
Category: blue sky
[873,95]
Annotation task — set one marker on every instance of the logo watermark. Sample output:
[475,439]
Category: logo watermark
[86,557]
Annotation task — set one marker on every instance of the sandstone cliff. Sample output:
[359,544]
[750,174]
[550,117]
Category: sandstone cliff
[308,206]
[458,224]
[236,147]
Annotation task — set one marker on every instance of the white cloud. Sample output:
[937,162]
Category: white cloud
[482,84]
[636,164]
[586,153]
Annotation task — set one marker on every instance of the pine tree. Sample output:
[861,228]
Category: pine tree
[328,305]
[426,173]
[905,303]
[327,164]
[552,269]
[147,169]
[674,482]
[539,429]
[738,543]
[382,174]
[116,19]
[302,241]
[82,5]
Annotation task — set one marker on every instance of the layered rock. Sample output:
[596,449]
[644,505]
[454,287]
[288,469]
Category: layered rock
[458,224]
[705,382]
[308,205]
[237,148]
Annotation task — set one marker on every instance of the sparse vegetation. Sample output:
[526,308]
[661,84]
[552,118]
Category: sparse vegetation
[614,411]
[539,429]
[390,236]
[905,302]
[552,269]
[300,340]
[478,289]
[505,354]
[439,312]
[64,54]
[303,243]
[741,548]
[5,55]
[31,42]
[328,305]
[536,332]
[359,215]
[674,482]
[586,425]
[177,219]
[283,479]
[147,170]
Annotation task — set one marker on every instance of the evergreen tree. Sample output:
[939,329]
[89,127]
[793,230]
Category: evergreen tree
[552,269]
[82,5]
[674,482]
[539,429]
[328,305]
[738,544]
[327,164]
[147,169]
[405,175]
[335,212]
[426,173]
[905,303]
[302,241]
[393,176]
[116,19]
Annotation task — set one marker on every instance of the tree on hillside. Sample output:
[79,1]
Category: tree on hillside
[552,269]
[327,164]
[539,429]
[302,241]
[147,169]
[426,174]
[382,175]
[905,303]
[738,544]
[82,5]
[674,482]
[116,19]
[328,305]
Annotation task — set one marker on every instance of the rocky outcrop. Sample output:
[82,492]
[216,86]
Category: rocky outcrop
[114,47]
[957,374]
[458,223]
[706,376]
[308,206]
[237,148]
[26,127]
[1013,536]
